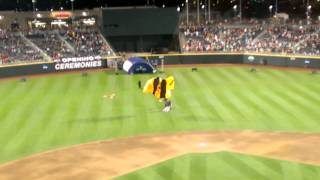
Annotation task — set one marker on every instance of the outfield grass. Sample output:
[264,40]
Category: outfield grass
[226,166]
[57,111]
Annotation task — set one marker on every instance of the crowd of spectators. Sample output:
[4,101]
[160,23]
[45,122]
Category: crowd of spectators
[14,48]
[41,45]
[87,42]
[252,37]
[50,43]
[218,38]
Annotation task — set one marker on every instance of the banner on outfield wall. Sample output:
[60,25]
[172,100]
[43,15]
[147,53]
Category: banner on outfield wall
[74,63]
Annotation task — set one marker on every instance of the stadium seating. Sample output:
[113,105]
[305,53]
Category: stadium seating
[251,36]
[43,45]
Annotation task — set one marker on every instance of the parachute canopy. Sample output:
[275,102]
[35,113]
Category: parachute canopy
[159,87]
[136,65]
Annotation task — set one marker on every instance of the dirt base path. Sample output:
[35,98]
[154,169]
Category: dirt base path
[107,159]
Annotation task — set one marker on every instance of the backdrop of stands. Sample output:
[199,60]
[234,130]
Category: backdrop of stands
[141,29]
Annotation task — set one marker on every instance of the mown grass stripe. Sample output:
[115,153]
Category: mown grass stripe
[231,95]
[208,84]
[285,105]
[190,105]
[48,110]
[261,118]
[58,128]
[19,118]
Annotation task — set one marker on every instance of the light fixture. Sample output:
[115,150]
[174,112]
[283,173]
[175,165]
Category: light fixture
[84,13]
[270,7]
[235,7]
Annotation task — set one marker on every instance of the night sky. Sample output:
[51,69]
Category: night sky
[252,8]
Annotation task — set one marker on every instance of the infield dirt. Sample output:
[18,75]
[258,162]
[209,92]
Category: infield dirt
[112,158]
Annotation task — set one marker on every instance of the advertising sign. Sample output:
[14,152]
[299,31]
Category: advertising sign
[74,63]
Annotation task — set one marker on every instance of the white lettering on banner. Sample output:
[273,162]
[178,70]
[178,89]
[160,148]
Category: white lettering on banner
[78,63]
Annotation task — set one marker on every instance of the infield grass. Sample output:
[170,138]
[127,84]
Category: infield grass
[224,166]
[51,112]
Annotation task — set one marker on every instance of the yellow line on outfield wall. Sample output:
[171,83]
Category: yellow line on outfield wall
[228,54]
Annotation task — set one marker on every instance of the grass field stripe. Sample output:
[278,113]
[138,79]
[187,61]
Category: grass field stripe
[257,109]
[118,112]
[77,107]
[35,120]
[244,168]
[14,112]
[211,90]
[230,77]
[185,99]
[86,106]
[7,103]
[18,124]
[185,116]
[299,110]
[198,166]
[281,106]
[101,127]
[107,109]
[267,105]
[218,103]
[202,104]
[39,104]
[300,89]
[6,92]
[292,173]
[292,82]
[226,165]
[130,98]
[264,165]
[232,96]
[271,92]
[92,115]
[284,92]
[296,93]
[251,111]
[141,102]
[285,106]
[59,120]
[199,104]
[50,108]
[8,126]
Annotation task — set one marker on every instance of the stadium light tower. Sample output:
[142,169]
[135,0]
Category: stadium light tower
[198,11]
[209,11]
[235,7]
[240,13]
[308,13]
[276,7]
[34,8]
[187,11]
[72,9]
[270,10]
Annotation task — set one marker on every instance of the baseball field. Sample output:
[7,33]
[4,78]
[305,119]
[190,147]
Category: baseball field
[66,113]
